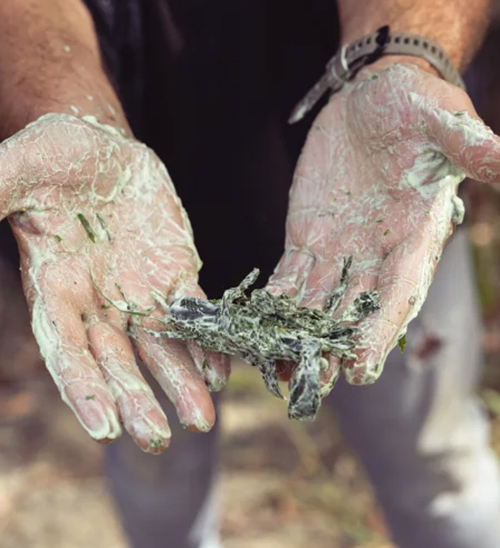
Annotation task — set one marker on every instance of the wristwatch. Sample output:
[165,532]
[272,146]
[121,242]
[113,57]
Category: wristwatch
[351,58]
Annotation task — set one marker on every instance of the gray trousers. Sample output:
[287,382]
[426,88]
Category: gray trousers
[419,431]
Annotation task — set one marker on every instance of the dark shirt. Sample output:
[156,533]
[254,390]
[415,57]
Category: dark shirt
[209,84]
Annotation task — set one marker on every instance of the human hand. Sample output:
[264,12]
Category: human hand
[377,180]
[96,217]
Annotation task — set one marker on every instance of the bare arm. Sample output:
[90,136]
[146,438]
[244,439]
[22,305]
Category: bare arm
[458,26]
[50,62]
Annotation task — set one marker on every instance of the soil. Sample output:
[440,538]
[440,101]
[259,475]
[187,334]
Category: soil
[284,483]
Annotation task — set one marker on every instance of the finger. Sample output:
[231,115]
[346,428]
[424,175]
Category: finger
[363,276]
[323,278]
[213,367]
[291,272]
[140,412]
[329,376]
[57,292]
[165,264]
[285,369]
[403,283]
[320,285]
[290,277]
[171,364]
[62,339]
[217,371]
[18,164]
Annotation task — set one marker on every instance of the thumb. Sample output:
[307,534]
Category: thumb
[22,161]
[12,183]
[47,149]
[466,141]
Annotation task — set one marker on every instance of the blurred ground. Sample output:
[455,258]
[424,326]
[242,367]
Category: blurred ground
[284,484]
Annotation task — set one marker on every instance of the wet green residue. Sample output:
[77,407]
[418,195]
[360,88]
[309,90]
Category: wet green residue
[156,443]
[87,227]
[91,397]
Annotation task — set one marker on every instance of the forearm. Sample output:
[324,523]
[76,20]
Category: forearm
[458,25]
[50,62]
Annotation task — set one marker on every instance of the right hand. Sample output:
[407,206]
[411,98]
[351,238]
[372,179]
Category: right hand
[377,181]
[95,213]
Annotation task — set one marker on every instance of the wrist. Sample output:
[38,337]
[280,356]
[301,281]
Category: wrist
[76,86]
[458,29]
[364,57]
[25,103]
[388,60]
[50,62]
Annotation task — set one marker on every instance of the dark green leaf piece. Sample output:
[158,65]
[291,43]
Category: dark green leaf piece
[87,227]
[402,343]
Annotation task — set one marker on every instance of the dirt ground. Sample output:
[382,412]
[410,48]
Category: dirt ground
[284,484]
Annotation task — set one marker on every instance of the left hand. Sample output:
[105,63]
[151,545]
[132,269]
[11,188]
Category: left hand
[377,179]
[96,217]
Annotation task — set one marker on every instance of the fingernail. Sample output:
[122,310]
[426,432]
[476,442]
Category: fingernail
[95,412]
[196,421]
[214,380]
[100,424]
[150,436]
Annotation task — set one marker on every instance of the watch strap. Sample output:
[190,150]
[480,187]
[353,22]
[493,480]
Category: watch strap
[343,66]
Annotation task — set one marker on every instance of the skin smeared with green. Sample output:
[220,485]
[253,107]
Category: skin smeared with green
[377,180]
[95,212]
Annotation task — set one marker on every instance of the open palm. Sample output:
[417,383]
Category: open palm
[377,180]
[96,217]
